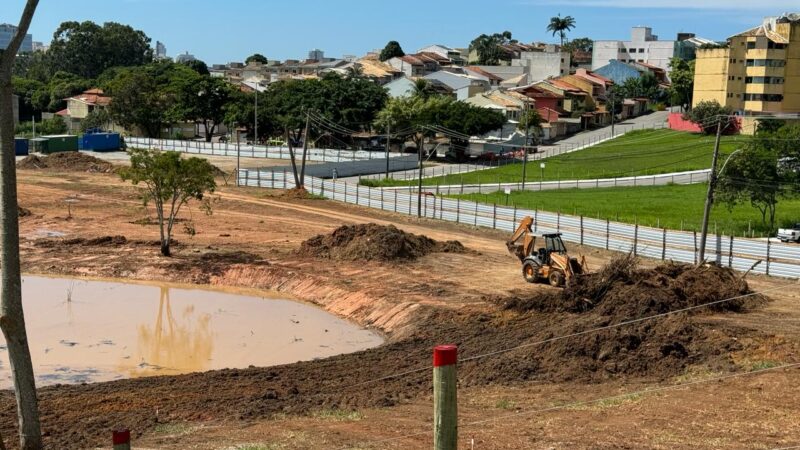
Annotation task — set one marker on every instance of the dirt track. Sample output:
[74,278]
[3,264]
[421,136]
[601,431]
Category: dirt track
[251,242]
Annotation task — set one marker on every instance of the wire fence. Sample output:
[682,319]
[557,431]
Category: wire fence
[760,256]
[253,151]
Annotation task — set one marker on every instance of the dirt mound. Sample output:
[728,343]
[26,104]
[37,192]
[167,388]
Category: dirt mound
[103,241]
[66,162]
[622,290]
[371,242]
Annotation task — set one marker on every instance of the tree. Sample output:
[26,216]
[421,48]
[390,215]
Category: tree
[170,182]
[139,102]
[198,66]
[706,115]
[392,50]
[488,48]
[560,25]
[201,99]
[682,78]
[578,45]
[257,58]
[12,318]
[423,88]
[98,118]
[531,119]
[87,49]
[56,125]
[763,172]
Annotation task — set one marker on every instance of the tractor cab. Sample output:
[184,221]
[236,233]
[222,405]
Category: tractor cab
[552,244]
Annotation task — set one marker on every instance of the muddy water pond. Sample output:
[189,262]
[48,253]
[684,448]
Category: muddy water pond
[90,331]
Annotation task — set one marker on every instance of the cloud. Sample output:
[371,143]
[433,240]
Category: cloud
[778,6]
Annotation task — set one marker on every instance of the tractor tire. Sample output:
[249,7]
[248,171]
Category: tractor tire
[530,271]
[556,278]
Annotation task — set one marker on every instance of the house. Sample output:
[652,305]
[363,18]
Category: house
[463,86]
[544,63]
[475,71]
[517,81]
[402,87]
[371,67]
[576,101]
[451,54]
[503,72]
[80,106]
[618,72]
[418,65]
[643,47]
[757,73]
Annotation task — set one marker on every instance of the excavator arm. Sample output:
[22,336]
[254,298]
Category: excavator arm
[525,232]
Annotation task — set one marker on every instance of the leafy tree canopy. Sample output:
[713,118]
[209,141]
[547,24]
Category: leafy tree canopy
[391,50]
[256,57]
[706,114]
[198,66]
[488,48]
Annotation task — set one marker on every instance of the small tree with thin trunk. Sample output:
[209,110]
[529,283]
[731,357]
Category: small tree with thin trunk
[170,182]
[12,319]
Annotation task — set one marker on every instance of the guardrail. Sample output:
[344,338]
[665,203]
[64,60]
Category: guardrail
[741,254]
[253,151]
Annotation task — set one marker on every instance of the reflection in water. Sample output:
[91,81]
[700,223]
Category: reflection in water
[172,346]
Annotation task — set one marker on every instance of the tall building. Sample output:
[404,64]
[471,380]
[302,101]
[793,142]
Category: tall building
[316,55]
[7,33]
[757,72]
[161,50]
[644,47]
[185,57]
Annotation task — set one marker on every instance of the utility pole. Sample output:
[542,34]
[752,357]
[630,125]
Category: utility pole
[238,152]
[255,119]
[388,141]
[419,187]
[526,117]
[305,150]
[613,112]
[712,181]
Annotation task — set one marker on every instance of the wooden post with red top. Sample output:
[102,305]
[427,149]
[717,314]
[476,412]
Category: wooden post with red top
[121,439]
[445,405]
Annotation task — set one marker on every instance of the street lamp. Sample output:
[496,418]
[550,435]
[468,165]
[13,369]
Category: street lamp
[541,180]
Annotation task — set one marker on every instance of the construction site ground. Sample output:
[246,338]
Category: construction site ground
[250,244]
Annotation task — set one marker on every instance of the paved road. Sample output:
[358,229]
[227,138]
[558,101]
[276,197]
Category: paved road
[693,177]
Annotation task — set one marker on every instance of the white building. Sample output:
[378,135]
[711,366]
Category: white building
[316,55]
[7,33]
[450,53]
[161,50]
[185,57]
[550,63]
[644,47]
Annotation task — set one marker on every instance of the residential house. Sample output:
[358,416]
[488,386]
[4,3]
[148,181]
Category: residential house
[643,47]
[550,107]
[451,54]
[582,59]
[402,87]
[576,100]
[475,71]
[80,106]
[618,72]
[504,72]
[596,88]
[509,52]
[371,67]
[757,73]
[418,65]
[517,81]
[463,86]
[543,63]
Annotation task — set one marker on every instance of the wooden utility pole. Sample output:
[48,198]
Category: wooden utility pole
[305,150]
[445,404]
[526,117]
[291,156]
[388,142]
[712,182]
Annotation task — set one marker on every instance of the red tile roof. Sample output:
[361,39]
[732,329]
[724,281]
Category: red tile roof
[563,85]
[480,71]
[93,97]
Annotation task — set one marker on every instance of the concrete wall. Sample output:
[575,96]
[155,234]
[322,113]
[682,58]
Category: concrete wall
[641,48]
[711,76]
[544,65]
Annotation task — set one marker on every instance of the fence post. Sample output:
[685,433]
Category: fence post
[121,439]
[476,214]
[730,253]
[494,217]
[382,200]
[445,404]
[558,222]
[272,178]
[769,246]
[636,240]
[608,232]
[395,201]
[536,220]
[581,230]
[357,189]
[515,216]
[695,246]
[458,210]
[259,177]
[664,244]
[345,192]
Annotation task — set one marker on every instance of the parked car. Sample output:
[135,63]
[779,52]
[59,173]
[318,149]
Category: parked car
[790,234]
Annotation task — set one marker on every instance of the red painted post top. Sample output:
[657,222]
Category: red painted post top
[121,437]
[445,355]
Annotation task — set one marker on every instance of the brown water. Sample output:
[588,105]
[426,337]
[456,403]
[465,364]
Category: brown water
[90,331]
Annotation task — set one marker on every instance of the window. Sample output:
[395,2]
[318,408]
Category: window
[641,50]
[763,97]
[751,45]
[775,45]
[766,63]
[764,80]
[641,60]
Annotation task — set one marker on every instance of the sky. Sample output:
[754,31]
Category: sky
[224,31]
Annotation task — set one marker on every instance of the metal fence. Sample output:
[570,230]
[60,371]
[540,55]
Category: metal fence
[690,177]
[253,151]
[769,258]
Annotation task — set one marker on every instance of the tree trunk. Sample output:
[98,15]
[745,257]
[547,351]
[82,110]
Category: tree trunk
[12,318]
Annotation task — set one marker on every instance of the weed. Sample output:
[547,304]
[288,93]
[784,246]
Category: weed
[763,365]
[173,428]
[339,415]
[505,403]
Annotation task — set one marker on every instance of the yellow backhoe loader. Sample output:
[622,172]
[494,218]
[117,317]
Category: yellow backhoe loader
[548,262]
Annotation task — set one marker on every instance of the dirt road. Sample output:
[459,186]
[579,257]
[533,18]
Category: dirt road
[250,242]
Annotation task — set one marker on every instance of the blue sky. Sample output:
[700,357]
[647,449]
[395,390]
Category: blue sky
[222,31]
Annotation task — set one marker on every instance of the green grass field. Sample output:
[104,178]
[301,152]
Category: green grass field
[645,152]
[673,206]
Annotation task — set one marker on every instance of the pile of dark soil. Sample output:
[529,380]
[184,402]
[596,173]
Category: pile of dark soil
[371,242]
[66,162]
[103,241]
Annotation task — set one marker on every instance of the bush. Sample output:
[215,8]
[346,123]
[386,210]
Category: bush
[706,115]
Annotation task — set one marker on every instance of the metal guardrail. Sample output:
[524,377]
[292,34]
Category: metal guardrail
[252,151]
[776,259]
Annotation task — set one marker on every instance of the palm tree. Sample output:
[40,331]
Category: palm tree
[560,26]
[423,88]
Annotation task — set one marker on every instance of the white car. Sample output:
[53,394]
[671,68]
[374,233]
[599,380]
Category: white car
[790,234]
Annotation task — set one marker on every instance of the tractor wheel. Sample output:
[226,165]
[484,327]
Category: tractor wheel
[556,278]
[530,270]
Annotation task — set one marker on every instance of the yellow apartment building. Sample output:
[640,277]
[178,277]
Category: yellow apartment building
[758,73]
